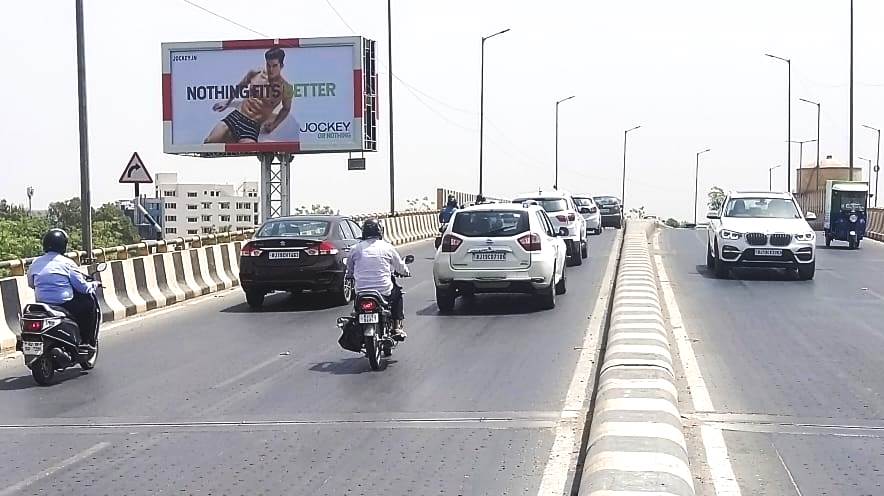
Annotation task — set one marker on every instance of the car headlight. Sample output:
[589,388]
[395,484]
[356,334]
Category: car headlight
[808,236]
[853,218]
[725,234]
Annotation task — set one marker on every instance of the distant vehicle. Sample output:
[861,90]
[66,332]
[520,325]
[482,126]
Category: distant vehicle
[501,248]
[590,212]
[563,213]
[760,229]
[845,214]
[611,210]
[299,253]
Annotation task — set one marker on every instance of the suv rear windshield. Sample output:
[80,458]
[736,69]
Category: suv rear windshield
[606,200]
[548,204]
[764,208]
[490,223]
[294,228]
[583,202]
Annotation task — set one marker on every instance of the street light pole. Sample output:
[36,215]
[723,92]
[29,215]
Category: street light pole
[870,167]
[800,157]
[851,90]
[697,182]
[482,106]
[789,123]
[390,104]
[85,195]
[556,184]
[877,161]
[623,185]
[818,108]
[770,176]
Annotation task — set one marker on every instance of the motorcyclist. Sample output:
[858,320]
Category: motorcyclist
[448,211]
[372,264]
[56,281]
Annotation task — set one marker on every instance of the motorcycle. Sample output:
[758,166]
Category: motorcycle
[373,321]
[51,338]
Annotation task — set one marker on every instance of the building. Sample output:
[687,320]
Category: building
[829,170]
[205,208]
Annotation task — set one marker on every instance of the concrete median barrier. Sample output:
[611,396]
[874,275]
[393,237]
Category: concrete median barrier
[636,443]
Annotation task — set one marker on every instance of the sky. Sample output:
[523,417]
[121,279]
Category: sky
[692,73]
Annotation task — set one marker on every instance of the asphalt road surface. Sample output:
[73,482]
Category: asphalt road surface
[212,398]
[795,370]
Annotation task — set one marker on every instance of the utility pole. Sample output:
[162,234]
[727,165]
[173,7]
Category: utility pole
[877,162]
[818,108]
[85,195]
[482,107]
[30,192]
[390,84]
[851,90]
[556,184]
[697,183]
[789,121]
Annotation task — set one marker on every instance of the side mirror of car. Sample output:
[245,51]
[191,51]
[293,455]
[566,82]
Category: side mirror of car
[563,231]
[409,259]
[713,215]
[810,216]
[585,210]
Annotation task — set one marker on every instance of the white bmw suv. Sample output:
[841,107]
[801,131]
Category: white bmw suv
[500,248]
[761,229]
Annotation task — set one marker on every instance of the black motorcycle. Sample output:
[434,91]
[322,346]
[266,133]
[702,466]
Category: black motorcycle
[369,328]
[51,338]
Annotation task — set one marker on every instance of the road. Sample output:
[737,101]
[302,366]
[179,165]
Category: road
[793,369]
[212,398]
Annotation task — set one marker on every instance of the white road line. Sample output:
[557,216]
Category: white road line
[720,468]
[569,428]
[788,472]
[55,468]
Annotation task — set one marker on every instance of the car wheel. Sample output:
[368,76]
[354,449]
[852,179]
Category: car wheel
[343,293]
[584,250]
[806,271]
[561,286]
[828,241]
[722,269]
[547,298]
[445,300]
[255,298]
[710,259]
[574,255]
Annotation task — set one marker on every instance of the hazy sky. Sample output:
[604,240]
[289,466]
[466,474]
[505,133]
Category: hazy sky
[692,73]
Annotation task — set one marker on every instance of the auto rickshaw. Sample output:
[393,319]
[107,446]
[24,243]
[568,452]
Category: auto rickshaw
[845,214]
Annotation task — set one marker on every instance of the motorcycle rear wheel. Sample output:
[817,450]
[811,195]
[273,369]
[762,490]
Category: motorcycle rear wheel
[373,351]
[43,370]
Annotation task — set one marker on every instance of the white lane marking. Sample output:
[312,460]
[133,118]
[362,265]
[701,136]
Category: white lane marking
[788,472]
[569,428]
[717,459]
[246,372]
[55,468]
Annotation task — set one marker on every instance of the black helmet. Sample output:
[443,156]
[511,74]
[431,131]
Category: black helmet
[55,240]
[452,201]
[371,229]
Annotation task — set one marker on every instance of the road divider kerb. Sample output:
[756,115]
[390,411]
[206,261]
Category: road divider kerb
[636,442]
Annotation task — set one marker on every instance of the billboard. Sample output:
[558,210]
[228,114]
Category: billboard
[299,95]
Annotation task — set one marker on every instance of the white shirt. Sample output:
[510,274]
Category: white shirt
[372,263]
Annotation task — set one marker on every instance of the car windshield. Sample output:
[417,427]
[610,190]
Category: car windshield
[490,223]
[606,200]
[295,228]
[763,208]
[548,204]
[852,201]
[583,202]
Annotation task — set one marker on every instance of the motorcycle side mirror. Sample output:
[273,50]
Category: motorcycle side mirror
[810,216]
[409,259]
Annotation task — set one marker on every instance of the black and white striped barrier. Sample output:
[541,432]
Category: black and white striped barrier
[137,285]
[636,443]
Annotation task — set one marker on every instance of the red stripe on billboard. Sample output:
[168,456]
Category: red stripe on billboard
[167,97]
[357,93]
[262,147]
[241,44]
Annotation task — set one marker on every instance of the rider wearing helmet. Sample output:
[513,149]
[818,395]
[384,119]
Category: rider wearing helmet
[448,211]
[372,263]
[56,281]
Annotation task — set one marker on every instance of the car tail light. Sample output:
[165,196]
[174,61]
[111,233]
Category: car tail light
[32,325]
[571,216]
[450,243]
[562,218]
[530,242]
[368,305]
[324,248]
[250,250]
[593,210]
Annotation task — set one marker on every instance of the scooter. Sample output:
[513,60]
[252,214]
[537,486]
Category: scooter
[373,319]
[51,338]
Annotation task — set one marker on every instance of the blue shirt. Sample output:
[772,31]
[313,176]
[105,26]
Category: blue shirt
[54,278]
[445,214]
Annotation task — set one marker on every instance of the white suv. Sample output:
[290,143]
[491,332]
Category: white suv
[500,248]
[590,212]
[761,229]
[563,213]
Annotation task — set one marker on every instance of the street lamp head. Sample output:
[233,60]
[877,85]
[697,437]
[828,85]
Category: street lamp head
[633,129]
[565,99]
[706,150]
[810,102]
[788,61]
[495,34]
[872,128]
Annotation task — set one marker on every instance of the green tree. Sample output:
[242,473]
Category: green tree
[673,223]
[716,198]
[65,214]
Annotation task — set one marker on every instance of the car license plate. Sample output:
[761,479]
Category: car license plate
[278,255]
[369,318]
[606,210]
[32,347]
[498,256]
[761,252]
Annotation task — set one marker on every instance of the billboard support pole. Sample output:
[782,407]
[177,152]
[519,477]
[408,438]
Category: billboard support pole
[275,187]
[390,103]
[85,197]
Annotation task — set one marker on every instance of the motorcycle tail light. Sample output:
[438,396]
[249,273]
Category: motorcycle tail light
[368,305]
[32,325]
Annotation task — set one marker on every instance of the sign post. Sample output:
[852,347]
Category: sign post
[135,173]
